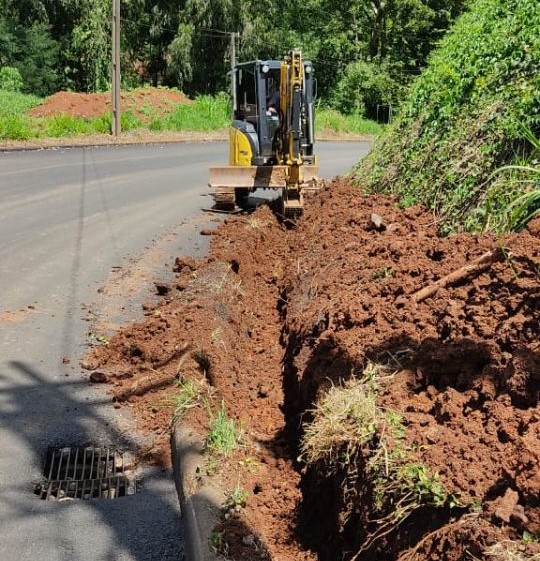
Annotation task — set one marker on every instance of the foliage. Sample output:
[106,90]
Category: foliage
[89,43]
[179,53]
[10,79]
[523,178]
[364,86]
[186,397]
[463,119]
[33,52]
[188,44]
[332,121]
[236,498]
[14,125]
[205,114]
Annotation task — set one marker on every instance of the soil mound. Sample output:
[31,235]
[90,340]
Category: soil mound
[94,105]
[276,318]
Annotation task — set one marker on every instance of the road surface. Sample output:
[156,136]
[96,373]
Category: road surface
[80,225]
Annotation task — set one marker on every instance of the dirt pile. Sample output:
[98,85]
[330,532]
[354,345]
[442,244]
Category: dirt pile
[140,102]
[274,318]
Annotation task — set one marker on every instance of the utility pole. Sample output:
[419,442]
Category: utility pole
[116,128]
[233,64]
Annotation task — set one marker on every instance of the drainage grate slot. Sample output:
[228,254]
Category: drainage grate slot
[85,473]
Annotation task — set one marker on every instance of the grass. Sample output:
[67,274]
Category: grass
[186,397]
[349,429]
[15,104]
[508,551]
[523,179]
[206,113]
[236,498]
[223,434]
[218,544]
[13,122]
[330,120]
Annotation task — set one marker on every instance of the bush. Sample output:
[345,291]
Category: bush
[364,86]
[10,79]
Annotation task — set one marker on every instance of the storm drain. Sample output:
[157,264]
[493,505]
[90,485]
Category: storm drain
[85,473]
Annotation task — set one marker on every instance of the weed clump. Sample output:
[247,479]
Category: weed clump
[363,447]
[223,434]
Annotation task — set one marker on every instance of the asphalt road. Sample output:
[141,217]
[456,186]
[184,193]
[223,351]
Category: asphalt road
[87,229]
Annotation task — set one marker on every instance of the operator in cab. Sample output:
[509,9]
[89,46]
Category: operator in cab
[272,107]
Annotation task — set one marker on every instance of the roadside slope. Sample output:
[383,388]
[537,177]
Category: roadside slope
[464,119]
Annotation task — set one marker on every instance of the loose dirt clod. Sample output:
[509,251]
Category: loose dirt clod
[282,316]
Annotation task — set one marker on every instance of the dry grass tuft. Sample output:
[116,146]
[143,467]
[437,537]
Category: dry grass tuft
[509,551]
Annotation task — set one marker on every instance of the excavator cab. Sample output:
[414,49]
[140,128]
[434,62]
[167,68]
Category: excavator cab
[271,139]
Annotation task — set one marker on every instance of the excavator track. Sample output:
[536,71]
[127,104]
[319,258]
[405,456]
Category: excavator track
[224,199]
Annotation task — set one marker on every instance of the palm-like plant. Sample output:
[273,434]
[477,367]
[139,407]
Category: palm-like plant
[526,206]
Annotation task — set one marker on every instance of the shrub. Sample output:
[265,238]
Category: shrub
[463,119]
[364,86]
[10,79]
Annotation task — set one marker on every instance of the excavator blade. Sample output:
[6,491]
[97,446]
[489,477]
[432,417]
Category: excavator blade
[257,177]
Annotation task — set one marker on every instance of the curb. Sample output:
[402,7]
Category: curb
[199,501]
[29,147]
[37,147]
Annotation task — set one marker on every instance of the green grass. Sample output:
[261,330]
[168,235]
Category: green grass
[330,120]
[223,434]
[16,104]
[14,124]
[205,114]
[236,498]
[186,397]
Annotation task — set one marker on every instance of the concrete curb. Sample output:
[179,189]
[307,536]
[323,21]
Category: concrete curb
[29,146]
[37,147]
[199,501]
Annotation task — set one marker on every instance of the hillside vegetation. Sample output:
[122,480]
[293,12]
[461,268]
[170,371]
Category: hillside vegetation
[469,114]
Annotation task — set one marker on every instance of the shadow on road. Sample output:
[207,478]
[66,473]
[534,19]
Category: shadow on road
[141,527]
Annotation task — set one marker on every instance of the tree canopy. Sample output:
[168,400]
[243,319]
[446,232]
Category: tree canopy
[186,43]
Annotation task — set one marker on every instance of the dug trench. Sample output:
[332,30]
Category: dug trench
[365,422]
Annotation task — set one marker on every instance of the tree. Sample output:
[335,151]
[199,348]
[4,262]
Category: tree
[33,52]
[88,49]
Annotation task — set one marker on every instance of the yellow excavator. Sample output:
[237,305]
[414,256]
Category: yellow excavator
[271,140]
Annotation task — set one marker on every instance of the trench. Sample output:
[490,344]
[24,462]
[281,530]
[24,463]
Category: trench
[335,518]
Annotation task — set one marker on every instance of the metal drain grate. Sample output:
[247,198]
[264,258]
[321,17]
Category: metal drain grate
[85,473]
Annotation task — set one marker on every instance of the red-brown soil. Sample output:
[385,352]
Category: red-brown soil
[96,104]
[275,316]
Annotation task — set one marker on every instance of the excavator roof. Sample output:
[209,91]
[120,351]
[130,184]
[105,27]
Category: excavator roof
[272,64]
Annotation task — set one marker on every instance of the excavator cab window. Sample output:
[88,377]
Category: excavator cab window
[246,87]
[271,81]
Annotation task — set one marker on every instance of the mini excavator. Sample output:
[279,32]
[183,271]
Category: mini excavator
[270,143]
